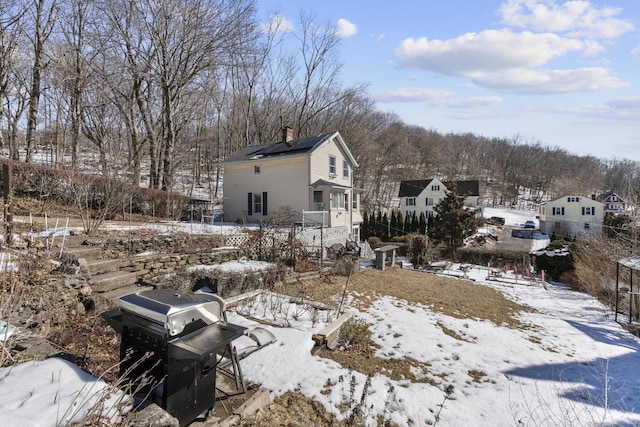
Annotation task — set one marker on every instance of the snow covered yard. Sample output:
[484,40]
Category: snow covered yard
[570,364]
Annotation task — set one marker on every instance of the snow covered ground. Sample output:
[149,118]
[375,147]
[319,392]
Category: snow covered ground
[573,366]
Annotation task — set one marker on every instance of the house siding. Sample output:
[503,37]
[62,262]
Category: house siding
[421,199]
[569,219]
[285,174]
[320,165]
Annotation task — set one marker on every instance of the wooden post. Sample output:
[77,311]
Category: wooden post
[8,209]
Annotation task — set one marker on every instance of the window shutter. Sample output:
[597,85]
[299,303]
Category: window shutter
[250,204]
[264,203]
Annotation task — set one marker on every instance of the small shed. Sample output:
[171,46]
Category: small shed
[627,288]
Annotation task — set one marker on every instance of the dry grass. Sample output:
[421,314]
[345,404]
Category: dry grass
[461,299]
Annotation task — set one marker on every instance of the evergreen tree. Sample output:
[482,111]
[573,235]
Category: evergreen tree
[407,224]
[394,224]
[385,231]
[380,227]
[364,227]
[422,223]
[452,223]
[372,224]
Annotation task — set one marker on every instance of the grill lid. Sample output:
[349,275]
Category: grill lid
[173,310]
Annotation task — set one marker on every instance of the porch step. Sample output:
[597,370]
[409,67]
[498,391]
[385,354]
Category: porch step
[101,266]
[88,253]
[111,281]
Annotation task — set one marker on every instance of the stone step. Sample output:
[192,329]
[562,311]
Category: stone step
[100,266]
[86,252]
[120,292]
[111,281]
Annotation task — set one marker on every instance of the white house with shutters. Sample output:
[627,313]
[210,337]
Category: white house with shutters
[311,178]
[573,216]
[423,195]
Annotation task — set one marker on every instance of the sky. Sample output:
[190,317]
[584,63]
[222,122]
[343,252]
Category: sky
[573,365]
[559,73]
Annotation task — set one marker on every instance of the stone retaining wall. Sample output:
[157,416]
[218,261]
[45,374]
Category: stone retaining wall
[163,263]
[175,243]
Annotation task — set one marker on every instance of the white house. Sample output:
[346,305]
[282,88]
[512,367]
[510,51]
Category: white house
[421,196]
[312,175]
[573,216]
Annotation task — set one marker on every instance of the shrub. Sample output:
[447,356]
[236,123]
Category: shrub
[375,242]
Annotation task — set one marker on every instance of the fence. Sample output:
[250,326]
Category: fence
[287,243]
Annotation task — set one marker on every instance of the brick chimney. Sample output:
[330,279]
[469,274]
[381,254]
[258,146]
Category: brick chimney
[287,135]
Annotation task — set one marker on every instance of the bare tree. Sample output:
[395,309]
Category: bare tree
[43,15]
[11,13]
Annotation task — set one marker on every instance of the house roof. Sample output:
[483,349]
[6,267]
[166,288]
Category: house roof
[605,196]
[466,188]
[325,183]
[290,148]
[413,188]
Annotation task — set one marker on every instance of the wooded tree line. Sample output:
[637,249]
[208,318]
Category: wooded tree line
[161,91]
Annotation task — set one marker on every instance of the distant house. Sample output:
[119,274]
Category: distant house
[312,175]
[422,196]
[612,202]
[572,216]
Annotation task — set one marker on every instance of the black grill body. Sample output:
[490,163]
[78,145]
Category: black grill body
[170,349]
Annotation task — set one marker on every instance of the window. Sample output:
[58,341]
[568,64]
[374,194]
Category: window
[346,200]
[588,210]
[411,201]
[354,203]
[586,225]
[410,213]
[429,201]
[257,203]
[614,198]
[345,169]
[558,211]
[332,165]
[573,199]
[256,169]
[337,200]
[435,188]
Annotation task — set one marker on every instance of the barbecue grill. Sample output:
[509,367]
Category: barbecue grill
[171,346]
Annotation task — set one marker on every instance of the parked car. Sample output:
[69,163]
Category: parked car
[529,224]
[496,220]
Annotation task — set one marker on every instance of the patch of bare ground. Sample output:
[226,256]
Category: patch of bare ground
[292,409]
[457,298]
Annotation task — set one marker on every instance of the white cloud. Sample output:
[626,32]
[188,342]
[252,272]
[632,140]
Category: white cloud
[278,24]
[409,94]
[549,81]
[345,28]
[437,98]
[573,16]
[635,52]
[490,50]
[470,102]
